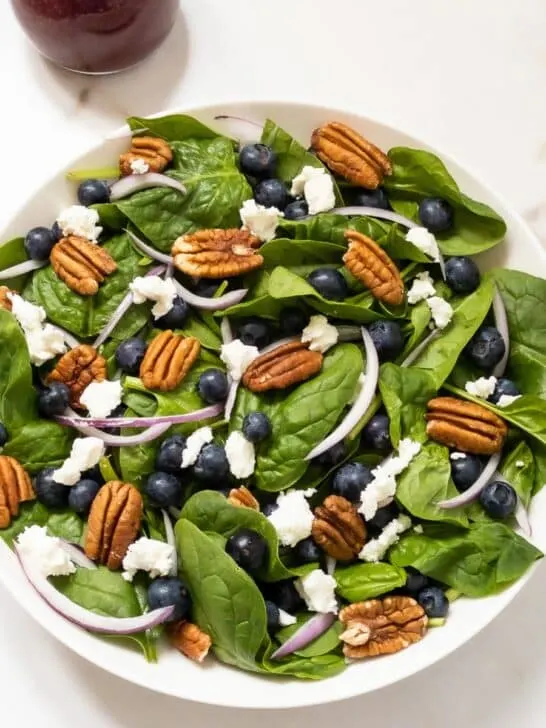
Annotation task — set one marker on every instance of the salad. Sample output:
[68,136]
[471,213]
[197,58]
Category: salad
[260,400]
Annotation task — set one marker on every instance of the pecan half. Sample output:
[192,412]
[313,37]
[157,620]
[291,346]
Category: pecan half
[155,152]
[82,265]
[347,153]
[77,369]
[243,498]
[113,524]
[339,529]
[281,368]
[190,640]
[465,426]
[4,300]
[15,488]
[368,262]
[167,361]
[217,253]
[381,626]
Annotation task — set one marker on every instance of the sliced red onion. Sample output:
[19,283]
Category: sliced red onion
[210,304]
[375,212]
[77,555]
[118,314]
[138,182]
[148,435]
[68,337]
[501,323]
[83,617]
[125,132]
[171,540]
[308,632]
[226,331]
[349,333]
[22,268]
[416,353]
[148,250]
[522,519]
[244,130]
[330,565]
[361,404]
[73,420]
[231,399]
[280,342]
[476,488]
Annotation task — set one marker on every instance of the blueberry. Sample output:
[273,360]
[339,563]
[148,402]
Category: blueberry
[129,355]
[53,400]
[271,193]
[163,489]
[3,434]
[292,321]
[350,480]
[176,318]
[169,456]
[206,287]
[499,499]
[382,518]
[39,243]
[248,549]
[82,494]
[213,386]
[296,210]
[329,283]
[254,331]
[465,471]
[368,198]
[462,275]
[93,192]
[307,551]
[258,160]
[334,456]
[93,473]
[256,426]
[436,214]
[415,581]
[168,592]
[269,508]
[506,387]
[284,594]
[56,231]
[434,601]
[273,616]
[387,338]
[212,464]
[376,434]
[486,348]
[48,492]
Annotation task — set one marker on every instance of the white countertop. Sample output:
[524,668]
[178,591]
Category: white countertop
[466,76]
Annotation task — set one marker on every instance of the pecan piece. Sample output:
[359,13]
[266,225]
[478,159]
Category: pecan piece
[368,262]
[82,265]
[4,300]
[286,365]
[77,369]
[217,253]
[347,153]
[190,640]
[15,488]
[466,426]
[114,522]
[167,361]
[155,152]
[381,626]
[339,529]
[243,498]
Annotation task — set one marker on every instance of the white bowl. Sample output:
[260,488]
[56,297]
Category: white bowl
[214,683]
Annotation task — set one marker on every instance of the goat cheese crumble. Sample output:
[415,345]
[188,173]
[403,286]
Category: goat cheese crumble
[319,334]
[240,454]
[44,552]
[44,342]
[317,186]
[148,554]
[506,399]
[139,166]
[458,455]
[482,387]
[237,357]
[154,288]
[318,590]
[441,311]
[421,288]
[520,464]
[194,444]
[85,454]
[261,221]
[376,549]
[293,519]
[101,398]
[81,221]
[285,619]
[425,241]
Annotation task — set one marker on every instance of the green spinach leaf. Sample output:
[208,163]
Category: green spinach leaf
[63,524]
[17,396]
[518,469]
[366,581]
[405,393]
[173,128]
[13,252]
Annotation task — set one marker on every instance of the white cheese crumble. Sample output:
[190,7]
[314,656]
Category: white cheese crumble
[293,519]
[458,455]
[506,399]
[425,241]
[376,549]
[44,552]
[520,464]
[418,529]
[240,454]
[101,398]
[27,314]
[154,288]
[441,311]
[261,221]
[482,387]
[80,221]
[319,334]
[318,590]
[317,186]
[381,490]
[194,444]
[148,554]
[85,454]
[285,619]
[421,288]
[43,341]
[139,166]
[238,357]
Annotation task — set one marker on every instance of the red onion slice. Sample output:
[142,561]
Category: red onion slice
[77,554]
[68,337]
[280,342]
[227,338]
[138,182]
[416,353]
[375,212]
[308,632]
[210,304]
[330,565]
[476,488]
[361,404]
[22,268]
[118,314]
[148,250]
[83,617]
[501,323]
[148,435]
[522,519]
[226,331]
[171,540]
[73,420]
[242,129]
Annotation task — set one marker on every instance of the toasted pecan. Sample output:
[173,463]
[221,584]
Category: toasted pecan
[217,253]
[154,151]
[77,369]
[286,365]
[190,640]
[466,426]
[338,528]
[5,302]
[15,488]
[82,265]
[243,498]
[167,361]
[368,262]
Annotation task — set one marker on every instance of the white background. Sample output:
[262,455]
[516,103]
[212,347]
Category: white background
[469,76]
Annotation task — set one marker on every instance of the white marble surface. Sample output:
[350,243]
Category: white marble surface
[469,77]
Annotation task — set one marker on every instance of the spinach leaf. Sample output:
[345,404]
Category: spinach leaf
[11,253]
[539,454]
[365,581]
[297,253]
[17,396]
[111,217]
[405,393]
[40,444]
[327,642]
[63,524]
[420,318]
[173,128]
[208,338]
[319,667]
[518,469]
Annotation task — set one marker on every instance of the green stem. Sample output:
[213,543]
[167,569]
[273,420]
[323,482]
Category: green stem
[361,424]
[78,175]
[452,595]
[436,622]
[107,470]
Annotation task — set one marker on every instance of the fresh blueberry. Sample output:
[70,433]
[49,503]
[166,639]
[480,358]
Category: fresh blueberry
[212,464]
[271,193]
[170,592]
[269,508]
[48,492]
[129,355]
[53,400]
[213,386]
[368,198]
[93,473]
[248,549]
[254,331]
[307,551]
[350,480]
[56,231]
[292,321]
[82,494]
[387,338]
[273,616]
[486,347]
[206,287]
[415,581]
[434,601]
[382,518]
[176,318]
[436,214]
[39,242]
[499,499]
[163,489]
[376,434]
[93,192]
[258,160]
[256,426]
[506,387]
[465,471]
[3,434]
[462,275]
[169,457]
[329,283]
[285,595]
[334,456]
[296,210]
